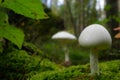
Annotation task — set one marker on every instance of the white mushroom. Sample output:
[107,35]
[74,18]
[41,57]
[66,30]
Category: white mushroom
[95,37]
[64,38]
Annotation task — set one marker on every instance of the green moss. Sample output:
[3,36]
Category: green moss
[19,65]
[108,71]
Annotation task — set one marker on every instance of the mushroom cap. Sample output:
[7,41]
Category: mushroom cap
[95,36]
[64,37]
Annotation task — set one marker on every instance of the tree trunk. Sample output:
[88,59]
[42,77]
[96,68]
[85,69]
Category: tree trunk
[119,9]
[54,6]
[110,13]
[71,16]
[79,16]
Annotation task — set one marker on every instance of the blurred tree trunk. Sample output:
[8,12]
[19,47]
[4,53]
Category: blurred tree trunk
[111,13]
[119,9]
[69,15]
[85,14]
[76,11]
[79,16]
[54,6]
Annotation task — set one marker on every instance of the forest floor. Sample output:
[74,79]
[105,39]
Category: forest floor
[109,70]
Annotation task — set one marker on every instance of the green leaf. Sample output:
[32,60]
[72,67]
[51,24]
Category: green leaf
[3,17]
[13,34]
[29,8]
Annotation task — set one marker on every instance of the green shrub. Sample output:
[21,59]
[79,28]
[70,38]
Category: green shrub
[19,65]
[53,51]
[16,64]
[78,55]
[56,54]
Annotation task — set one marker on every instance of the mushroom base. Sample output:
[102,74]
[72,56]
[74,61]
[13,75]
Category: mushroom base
[67,64]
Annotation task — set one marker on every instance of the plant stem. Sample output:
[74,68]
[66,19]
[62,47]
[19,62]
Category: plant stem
[94,62]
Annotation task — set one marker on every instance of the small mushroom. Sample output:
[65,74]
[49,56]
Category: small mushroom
[95,37]
[64,38]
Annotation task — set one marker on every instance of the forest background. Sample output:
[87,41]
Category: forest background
[26,47]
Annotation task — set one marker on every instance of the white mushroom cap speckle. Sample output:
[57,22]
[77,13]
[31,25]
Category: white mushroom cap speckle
[95,36]
[64,35]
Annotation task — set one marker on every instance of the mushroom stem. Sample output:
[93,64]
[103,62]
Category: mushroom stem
[67,59]
[94,62]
